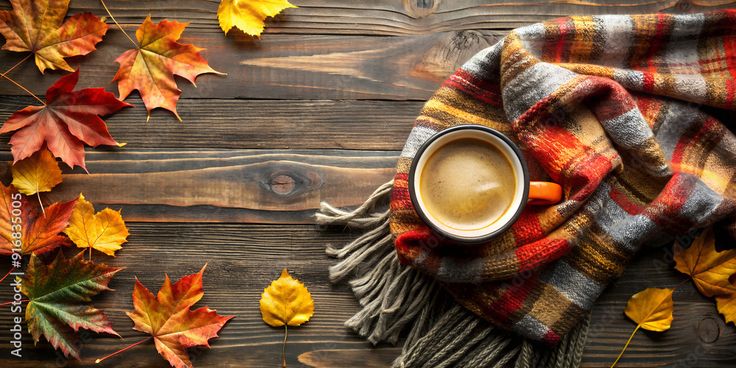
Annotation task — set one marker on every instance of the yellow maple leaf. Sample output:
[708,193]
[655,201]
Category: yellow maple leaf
[104,231]
[249,15]
[651,309]
[709,269]
[38,173]
[286,302]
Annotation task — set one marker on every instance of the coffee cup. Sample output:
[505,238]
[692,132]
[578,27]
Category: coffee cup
[470,182]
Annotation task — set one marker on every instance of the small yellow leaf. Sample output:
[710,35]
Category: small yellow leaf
[708,268]
[651,309]
[249,15]
[104,231]
[286,302]
[38,173]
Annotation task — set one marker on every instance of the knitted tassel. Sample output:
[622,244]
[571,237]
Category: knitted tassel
[399,301]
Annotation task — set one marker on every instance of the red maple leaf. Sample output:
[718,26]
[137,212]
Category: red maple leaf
[67,121]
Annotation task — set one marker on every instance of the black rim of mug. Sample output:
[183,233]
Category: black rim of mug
[425,217]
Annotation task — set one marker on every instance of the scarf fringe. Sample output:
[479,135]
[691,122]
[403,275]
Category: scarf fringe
[460,339]
[398,300]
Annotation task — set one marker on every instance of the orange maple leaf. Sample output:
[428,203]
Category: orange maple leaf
[40,232]
[167,317]
[38,26]
[150,68]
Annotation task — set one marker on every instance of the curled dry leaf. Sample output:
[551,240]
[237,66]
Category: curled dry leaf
[69,120]
[248,16]
[150,68]
[709,269]
[40,232]
[104,231]
[38,173]
[38,26]
[59,296]
[286,302]
[651,309]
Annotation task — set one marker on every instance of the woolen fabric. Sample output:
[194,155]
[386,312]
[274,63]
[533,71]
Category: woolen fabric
[619,110]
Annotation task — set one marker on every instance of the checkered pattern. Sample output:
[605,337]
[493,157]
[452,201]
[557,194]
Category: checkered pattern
[616,110]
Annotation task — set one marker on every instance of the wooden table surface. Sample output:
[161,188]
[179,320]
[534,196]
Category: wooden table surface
[316,110]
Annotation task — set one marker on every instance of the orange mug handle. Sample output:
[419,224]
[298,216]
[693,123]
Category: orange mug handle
[544,193]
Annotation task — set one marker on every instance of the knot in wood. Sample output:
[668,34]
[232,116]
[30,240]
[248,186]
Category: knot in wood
[708,330]
[282,184]
[683,5]
[420,8]
[450,52]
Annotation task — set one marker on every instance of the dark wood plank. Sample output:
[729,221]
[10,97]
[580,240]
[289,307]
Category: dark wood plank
[392,17]
[231,251]
[312,65]
[699,337]
[204,171]
[698,334]
[271,186]
[246,124]
[289,66]
[326,358]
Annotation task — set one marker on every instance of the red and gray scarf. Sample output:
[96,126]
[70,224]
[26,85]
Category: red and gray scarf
[623,112]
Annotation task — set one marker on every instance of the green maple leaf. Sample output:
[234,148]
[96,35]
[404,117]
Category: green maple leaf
[59,295]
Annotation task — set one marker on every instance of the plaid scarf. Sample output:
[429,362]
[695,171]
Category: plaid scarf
[620,111]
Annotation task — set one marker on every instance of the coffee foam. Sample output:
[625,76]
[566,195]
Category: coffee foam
[468,184]
[493,182]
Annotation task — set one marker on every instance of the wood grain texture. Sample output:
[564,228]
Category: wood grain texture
[316,109]
[313,64]
[271,186]
[289,66]
[233,251]
[251,124]
[393,17]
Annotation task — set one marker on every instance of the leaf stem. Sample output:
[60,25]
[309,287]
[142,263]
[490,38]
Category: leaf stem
[98,361]
[283,348]
[7,274]
[11,302]
[118,24]
[625,346]
[683,282]
[26,90]
[38,194]
[17,64]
